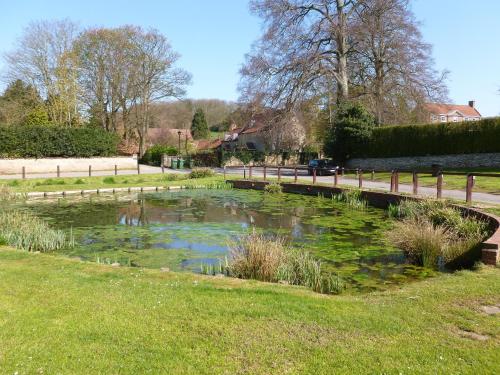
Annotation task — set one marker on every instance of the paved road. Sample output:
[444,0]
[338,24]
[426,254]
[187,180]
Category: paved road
[258,172]
[374,185]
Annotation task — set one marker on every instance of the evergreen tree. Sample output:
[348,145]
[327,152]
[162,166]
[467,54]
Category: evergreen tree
[350,131]
[199,126]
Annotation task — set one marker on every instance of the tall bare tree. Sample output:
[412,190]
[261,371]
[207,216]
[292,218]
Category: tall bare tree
[157,77]
[304,49]
[43,58]
[392,66]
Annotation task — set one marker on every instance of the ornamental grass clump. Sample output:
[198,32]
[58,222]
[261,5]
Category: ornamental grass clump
[352,198]
[270,259]
[434,234]
[27,232]
[273,188]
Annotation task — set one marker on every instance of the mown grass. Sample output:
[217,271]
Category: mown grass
[69,317]
[80,183]
[452,182]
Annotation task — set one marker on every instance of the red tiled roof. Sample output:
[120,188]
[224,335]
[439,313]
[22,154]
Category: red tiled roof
[444,109]
[208,144]
[255,128]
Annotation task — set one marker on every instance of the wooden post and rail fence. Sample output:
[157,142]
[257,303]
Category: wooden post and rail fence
[340,173]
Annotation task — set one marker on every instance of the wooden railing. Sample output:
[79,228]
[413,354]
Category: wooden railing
[248,172]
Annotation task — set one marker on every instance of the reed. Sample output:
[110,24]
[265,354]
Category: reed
[352,198]
[273,188]
[255,256]
[27,232]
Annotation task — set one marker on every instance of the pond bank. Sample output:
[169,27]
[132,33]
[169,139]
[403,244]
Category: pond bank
[490,248]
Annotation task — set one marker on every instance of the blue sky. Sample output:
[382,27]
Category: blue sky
[213,35]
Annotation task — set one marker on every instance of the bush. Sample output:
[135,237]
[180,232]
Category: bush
[109,180]
[433,139]
[201,173]
[152,156]
[350,132]
[56,141]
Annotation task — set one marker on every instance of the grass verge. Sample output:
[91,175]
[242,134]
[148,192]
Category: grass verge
[64,316]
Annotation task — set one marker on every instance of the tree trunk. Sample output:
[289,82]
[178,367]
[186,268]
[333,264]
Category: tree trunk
[342,50]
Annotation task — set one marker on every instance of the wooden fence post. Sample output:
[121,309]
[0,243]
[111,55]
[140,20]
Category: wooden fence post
[244,172]
[24,173]
[116,170]
[360,178]
[224,172]
[138,168]
[90,170]
[314,176]
[250,172]
[265,172]
[415,183]
[58,171]
[392,182]
[295,174]
[336,177]
[279,174]
[439,186]
[396,182]
[468,188]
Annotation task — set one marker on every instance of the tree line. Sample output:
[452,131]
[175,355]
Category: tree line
[110,77]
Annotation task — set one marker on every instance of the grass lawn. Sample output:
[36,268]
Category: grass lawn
[64,316]
[81,183]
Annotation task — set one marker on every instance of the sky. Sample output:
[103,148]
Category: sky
[213,36]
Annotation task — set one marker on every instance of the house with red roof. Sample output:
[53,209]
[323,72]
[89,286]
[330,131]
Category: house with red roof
[452,112]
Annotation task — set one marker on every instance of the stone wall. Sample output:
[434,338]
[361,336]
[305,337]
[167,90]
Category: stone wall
[489,160]
[14,166]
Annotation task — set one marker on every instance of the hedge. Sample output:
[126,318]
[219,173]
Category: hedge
[434,139]
[56,141]
[153,155]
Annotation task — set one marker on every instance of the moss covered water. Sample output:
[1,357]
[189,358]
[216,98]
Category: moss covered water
[180,230]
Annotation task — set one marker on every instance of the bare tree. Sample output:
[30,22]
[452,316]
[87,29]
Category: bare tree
[44,59]
[392,66]
[157,78]
[304,49]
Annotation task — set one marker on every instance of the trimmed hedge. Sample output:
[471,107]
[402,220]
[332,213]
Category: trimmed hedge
[152,156]
[38,141]
[434,139]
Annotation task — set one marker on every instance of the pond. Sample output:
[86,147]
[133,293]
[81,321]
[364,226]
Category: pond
[182,229]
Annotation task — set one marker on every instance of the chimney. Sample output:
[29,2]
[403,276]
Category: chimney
[472,103]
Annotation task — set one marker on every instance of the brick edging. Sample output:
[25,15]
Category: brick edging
[490,248]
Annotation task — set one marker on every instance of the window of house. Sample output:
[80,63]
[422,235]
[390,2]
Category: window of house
[443,118]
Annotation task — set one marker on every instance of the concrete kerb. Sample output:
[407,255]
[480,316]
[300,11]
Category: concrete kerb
[490,249]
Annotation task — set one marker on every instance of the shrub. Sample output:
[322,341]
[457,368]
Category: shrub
[56,141]
[350,132]
[50,181]
[27,232]
[201,173]
[273,188]
[80,181]
[433,139]
[256,257]
[152,156]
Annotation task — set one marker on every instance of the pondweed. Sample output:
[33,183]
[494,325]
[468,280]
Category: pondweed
[27,232]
